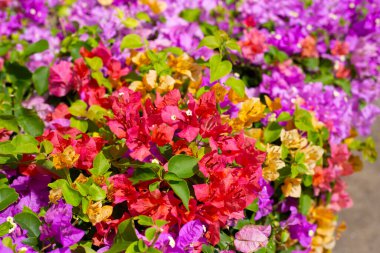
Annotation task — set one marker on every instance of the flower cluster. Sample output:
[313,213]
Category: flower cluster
[183,126]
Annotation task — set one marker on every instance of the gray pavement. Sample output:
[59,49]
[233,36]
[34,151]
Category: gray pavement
[363,219]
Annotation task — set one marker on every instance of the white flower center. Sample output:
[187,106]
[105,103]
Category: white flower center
[155,161]
[23,250]
[336,93]
[309,27]
[14,225]
[173,117]
[189,112]
[293,14]
[333,16]
[278,37]
[33,11]
[311,233]
[171,242]
[352,5]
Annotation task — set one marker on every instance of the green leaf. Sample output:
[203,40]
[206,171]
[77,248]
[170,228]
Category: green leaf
[307,180]
[174,50]
[237,85]
[150,233]
[83,249]
[17,72]
[299,157]
[4,49]
[71,196]
[37,47]
[233,45]
[46,147]
[95,63]
[29,121]
[311,63]
[29,222]
[78,108]
[130,23]
[40,79]
[101,165]
[219,68]
[154,186]
[142,175]
[133,248]
[31,241]
[253,206]
[4,228]
[81,125]
[57,183]
[181,189]
[8,242]
[144,220]
[298,169]
[9,122]
[190,15]
[303,120]
[96,113]
[125,236]
[97,193]
[344,84]
[272,132]
[305,203]
[7,197]
[131,41]
[284,116]
[161,223]
[208,248]
[211,42]
[143,16]
[183,166]
[153,250]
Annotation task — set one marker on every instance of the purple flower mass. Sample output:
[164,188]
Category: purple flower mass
[265,203]
[58,225]
[299,228]
[189,236]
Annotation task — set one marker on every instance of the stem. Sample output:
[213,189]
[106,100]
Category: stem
[67,174]
[46,247]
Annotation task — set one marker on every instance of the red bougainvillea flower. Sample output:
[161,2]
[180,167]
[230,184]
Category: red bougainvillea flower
[232,165]
[86,147]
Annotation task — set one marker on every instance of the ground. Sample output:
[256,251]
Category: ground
[363,219]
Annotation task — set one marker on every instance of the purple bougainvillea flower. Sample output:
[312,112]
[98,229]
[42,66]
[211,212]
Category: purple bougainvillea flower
[189,237]
[252,237]
[299,228]
[264,202]
[58,225]
[191,232]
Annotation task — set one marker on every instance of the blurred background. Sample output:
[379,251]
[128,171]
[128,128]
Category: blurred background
[363,219]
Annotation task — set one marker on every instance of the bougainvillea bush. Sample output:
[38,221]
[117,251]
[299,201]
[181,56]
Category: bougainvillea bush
[183,126]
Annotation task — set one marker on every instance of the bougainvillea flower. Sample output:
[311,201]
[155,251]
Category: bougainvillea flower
[60,79]
[299,228]
[252,237]
[58,225]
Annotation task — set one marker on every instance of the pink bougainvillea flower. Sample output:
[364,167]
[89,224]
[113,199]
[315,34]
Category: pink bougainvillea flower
[252,237]
[254,43]
[60,79]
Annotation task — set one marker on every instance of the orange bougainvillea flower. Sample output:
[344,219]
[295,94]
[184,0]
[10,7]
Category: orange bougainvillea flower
[66,159]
